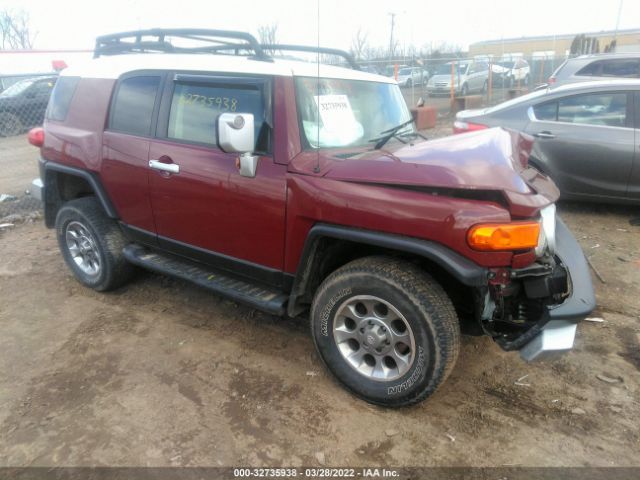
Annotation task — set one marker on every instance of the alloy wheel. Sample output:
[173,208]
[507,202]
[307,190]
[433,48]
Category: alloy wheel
[374,338]
[82,248]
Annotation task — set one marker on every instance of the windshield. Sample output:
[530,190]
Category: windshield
[17,88]
[404,71]
[446,69]
[341,113]
[506,64]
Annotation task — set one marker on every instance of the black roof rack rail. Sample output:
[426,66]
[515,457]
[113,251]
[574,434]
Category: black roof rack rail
[132,41]
[304,48]
[278,47]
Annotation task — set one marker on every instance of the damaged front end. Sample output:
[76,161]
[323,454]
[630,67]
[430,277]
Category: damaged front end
[536,309]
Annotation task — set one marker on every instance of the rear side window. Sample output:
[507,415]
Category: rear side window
[133,105]
[195,108]
[42,88]
[623,68]
[61,98]
[606,109]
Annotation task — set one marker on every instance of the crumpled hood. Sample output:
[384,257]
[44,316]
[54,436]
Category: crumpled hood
[492,159]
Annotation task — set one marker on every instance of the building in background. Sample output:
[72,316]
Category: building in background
[555,45]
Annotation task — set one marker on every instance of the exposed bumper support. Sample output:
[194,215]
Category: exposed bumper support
[556,336]
[37,189]
[559,333]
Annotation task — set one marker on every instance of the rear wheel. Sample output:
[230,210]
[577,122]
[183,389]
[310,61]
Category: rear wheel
[91,244]
[10,125]
[386,330]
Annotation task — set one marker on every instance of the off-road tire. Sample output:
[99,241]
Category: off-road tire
[422,302]
[108,239]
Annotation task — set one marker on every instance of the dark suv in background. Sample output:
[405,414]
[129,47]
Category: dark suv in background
[305,190]
[22,105]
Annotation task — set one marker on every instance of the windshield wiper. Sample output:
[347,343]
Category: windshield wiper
[388,134]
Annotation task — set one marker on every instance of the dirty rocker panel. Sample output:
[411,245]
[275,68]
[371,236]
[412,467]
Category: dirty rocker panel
[263,298]
[236,266]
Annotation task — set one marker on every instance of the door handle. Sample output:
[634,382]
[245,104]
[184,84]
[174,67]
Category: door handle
[165,167]
[544,135]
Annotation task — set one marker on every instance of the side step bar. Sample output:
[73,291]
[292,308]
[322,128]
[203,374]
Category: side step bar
[257,296]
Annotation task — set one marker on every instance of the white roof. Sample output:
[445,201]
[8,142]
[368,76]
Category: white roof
[114,66]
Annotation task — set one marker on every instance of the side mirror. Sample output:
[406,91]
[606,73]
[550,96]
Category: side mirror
[236,132]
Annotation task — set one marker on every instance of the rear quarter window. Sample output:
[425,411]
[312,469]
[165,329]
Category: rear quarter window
[61,98]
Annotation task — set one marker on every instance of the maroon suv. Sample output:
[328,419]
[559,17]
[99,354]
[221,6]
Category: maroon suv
[304,190]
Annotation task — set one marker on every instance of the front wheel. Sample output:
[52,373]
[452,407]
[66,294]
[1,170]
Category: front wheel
[386,330]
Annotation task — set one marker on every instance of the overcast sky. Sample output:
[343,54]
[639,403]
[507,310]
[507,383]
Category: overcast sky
[74,24]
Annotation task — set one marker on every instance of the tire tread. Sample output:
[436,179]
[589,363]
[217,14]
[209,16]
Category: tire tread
[428,296]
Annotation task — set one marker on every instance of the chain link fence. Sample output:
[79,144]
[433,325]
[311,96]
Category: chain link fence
[451,84]
[23,102]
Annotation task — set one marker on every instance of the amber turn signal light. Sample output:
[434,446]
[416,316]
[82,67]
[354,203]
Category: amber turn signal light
[507,236]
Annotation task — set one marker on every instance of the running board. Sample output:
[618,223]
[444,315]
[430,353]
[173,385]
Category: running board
[257,296]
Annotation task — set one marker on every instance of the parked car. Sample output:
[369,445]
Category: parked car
[22,105]
[468,77]
[587,68]
[511,73]
[305,190]
[7,80]
[409,76]
[586,136]
[369,69]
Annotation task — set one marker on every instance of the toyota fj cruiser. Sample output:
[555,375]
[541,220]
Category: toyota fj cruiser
[299,188]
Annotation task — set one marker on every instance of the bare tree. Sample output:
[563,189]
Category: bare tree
[268,33]
[360,45]
[15,33]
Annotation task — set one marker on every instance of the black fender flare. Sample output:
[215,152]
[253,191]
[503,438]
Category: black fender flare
[462,269]
[51,203]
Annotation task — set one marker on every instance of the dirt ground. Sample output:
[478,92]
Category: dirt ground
[163,373]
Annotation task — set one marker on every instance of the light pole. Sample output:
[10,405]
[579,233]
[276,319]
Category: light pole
[393,24]
[615,35]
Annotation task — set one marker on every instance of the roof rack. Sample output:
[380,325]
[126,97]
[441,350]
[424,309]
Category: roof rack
[304,48]
[134,42]
[216,41]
